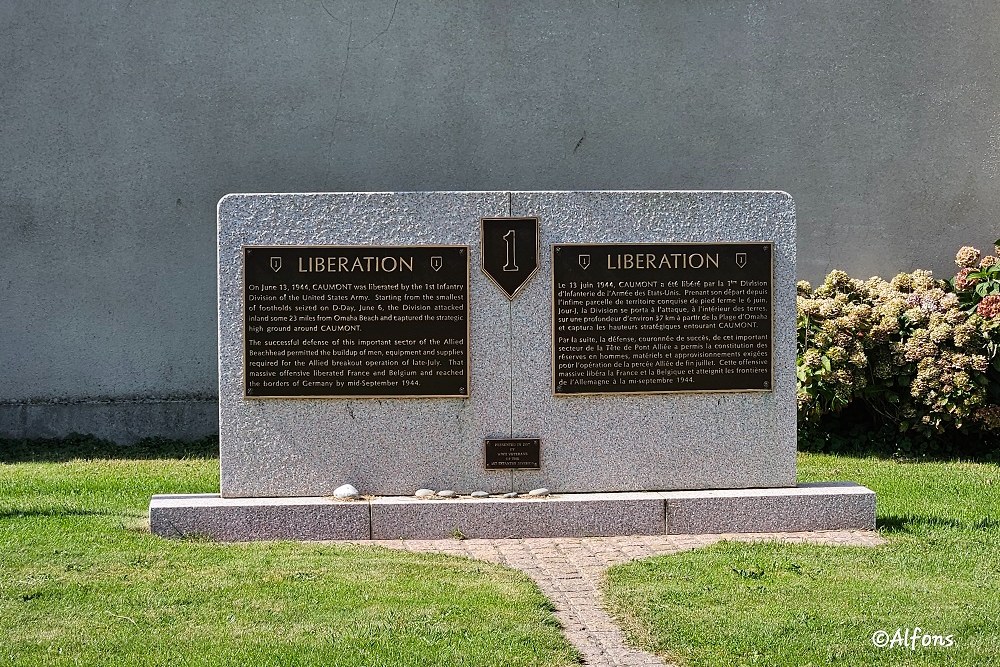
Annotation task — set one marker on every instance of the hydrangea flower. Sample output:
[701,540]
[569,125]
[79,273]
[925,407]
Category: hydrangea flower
[963,281]
[967,256]
[989,415]
[989,307]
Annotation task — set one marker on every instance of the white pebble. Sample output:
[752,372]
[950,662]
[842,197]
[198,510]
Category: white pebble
[345,491]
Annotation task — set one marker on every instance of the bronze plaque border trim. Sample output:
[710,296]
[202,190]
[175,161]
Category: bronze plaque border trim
[468,323]
[552,324]
[532,442]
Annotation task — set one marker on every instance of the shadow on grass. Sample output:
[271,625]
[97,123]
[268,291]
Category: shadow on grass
[904,524]
[76,446]
[67,511]
[858,433]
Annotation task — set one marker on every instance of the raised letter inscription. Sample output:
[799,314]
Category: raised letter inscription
[335,321]
[513,453]
[650,318]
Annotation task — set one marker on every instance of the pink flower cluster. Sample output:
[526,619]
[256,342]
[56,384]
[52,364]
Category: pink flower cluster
[963,281]
[989,307]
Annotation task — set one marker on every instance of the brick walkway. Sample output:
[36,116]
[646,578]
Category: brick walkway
[569,572]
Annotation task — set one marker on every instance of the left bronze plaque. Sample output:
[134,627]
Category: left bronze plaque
[355,321]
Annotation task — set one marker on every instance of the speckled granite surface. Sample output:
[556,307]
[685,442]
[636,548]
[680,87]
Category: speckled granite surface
[308,447]
[825,506]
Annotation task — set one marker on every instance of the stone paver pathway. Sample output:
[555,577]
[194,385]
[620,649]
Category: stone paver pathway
[569,571]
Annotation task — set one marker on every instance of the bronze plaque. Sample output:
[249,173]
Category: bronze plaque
[513,453]
[662,317]
[356,321]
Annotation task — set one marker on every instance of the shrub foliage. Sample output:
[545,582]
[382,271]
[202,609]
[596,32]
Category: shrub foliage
[914,352]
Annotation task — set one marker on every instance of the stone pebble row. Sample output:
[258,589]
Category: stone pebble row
[349,492]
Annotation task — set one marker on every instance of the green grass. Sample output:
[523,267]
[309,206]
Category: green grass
[783,604]
[83,582]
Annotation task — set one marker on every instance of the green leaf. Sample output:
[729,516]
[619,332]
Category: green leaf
[826,363]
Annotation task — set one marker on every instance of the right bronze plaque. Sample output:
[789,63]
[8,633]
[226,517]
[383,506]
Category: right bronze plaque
[662,317]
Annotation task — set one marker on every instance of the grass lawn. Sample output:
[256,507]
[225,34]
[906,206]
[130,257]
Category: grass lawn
[83,582]
[738,604]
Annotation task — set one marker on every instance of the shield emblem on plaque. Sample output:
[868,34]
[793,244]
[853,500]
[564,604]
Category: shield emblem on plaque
[741,259]
[276,264]
[584,261]
[437,262]
[510,252]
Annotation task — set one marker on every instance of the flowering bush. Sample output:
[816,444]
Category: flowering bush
[918,352]
[978,278]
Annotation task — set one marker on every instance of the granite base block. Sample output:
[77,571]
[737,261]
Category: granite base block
[568,515]
[812,506]
[248,519]
[807,507]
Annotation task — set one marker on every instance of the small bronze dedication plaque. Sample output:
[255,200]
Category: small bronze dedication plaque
[513,454]
[336,321]
[665,317]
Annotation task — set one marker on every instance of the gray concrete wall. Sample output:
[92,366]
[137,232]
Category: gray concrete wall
[123,123]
